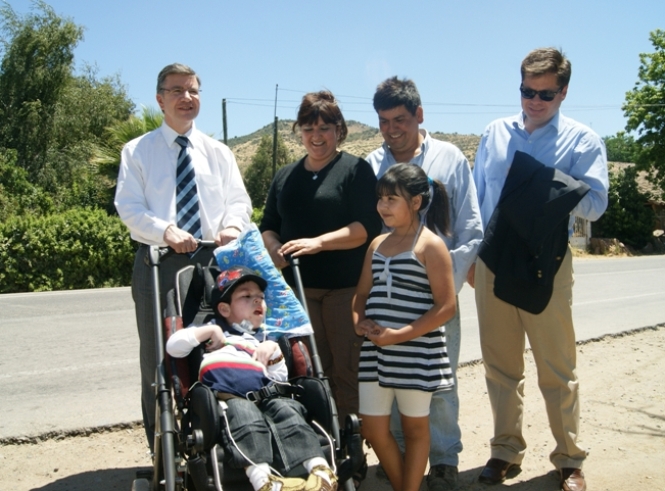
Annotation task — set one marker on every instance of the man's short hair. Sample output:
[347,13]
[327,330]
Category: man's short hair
[174,69]
[393,92]
[547,60]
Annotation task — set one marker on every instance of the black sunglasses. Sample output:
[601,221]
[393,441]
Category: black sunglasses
[545,95]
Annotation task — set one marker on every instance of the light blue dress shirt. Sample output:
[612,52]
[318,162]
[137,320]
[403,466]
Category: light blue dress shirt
[562,143]
[445,162]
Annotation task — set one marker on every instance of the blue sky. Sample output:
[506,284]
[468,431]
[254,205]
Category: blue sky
[463,55]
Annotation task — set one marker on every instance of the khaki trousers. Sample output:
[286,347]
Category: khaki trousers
[552,338]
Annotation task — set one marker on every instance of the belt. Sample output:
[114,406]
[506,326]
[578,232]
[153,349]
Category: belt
[275,390]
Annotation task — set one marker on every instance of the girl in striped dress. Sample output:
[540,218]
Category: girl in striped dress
[404,297]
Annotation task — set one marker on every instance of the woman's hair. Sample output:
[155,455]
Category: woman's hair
[322,105]
[408,181]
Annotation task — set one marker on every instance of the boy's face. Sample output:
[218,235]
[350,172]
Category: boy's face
[247,303]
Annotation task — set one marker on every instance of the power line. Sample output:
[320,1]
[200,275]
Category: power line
[341,98]
[270,103]
[466,113]
[262,100]
[231,101]
[355,105]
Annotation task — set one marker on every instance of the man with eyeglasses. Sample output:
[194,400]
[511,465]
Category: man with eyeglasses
[176,186]
[572,157]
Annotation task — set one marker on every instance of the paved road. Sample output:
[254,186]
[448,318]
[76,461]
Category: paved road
[69,360]
[610,295]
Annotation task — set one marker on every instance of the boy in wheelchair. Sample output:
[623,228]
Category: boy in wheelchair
[238,361]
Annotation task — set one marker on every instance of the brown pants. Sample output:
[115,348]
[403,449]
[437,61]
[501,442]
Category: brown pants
[337,343]
[552,338]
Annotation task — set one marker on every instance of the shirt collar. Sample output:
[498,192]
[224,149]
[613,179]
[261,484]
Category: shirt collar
[246,328]
[426,140]
[424,146]
[555,122]
[170,134]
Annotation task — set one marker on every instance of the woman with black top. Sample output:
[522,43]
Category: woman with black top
[322,209]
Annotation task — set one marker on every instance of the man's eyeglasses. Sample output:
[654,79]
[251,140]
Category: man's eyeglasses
[180,92]
[545,95]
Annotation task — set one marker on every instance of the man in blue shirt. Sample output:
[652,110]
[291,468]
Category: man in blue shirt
[400,111]
[541,131]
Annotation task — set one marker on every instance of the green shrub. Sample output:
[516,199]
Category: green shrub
[628,216]
[257,215]
[76,249]
[18,195]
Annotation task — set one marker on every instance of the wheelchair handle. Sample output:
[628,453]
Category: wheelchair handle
[163,253]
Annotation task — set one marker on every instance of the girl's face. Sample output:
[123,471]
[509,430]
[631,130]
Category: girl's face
[397,211]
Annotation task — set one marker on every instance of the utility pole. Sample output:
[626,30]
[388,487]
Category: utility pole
[226,135]
[274,138]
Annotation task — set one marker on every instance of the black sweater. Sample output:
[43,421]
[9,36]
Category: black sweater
[301,207]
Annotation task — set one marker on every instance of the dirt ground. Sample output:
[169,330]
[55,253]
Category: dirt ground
[623,427]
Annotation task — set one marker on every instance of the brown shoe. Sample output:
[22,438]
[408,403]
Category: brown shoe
[572,479]
[496,471]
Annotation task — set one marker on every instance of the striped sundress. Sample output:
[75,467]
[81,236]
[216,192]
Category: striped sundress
[401,294]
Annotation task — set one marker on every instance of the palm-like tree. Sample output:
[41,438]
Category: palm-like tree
[107,156]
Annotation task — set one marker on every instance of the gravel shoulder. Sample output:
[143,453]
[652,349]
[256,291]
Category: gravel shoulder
[623,426]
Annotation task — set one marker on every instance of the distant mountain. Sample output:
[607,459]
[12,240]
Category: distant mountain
[362,139]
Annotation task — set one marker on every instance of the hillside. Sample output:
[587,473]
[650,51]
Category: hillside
[361,141]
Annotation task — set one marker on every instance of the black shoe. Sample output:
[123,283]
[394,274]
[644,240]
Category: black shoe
[442,477]
[496,471]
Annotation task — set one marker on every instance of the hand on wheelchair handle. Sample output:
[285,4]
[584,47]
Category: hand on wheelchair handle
[165,252]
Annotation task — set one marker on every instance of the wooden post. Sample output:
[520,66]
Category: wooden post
[274,138]
[226,134]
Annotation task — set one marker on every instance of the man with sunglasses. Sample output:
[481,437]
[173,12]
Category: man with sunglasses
[558,142]
[176,185]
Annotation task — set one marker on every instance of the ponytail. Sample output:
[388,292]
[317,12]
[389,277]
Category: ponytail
[438,211]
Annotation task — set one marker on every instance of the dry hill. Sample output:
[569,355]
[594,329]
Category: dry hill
[361,141]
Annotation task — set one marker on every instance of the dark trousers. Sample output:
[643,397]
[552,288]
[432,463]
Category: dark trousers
[274,432]
[142,293]
[337,343]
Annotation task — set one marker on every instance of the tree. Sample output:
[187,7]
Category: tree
[628,216]
[19,196]
[645,110]
[621,148]
[38,53]
[87,106]
[258,175]
[106,156]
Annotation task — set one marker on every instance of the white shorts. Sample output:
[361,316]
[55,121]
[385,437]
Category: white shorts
[378,401]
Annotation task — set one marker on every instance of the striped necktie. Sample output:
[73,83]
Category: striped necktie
[187,201]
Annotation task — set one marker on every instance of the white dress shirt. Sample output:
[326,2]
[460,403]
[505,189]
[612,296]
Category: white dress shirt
[146,193]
